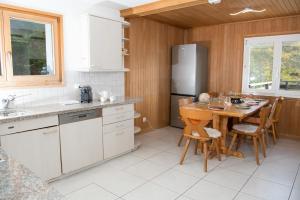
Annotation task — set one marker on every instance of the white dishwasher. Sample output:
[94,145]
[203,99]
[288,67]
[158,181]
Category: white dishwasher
[81,139]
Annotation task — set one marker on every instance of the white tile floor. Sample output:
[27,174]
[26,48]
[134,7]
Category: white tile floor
[153,173]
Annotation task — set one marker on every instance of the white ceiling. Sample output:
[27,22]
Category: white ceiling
[117,4]
[132,3]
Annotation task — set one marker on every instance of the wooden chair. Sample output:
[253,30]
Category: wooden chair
[182,102]
[213,94]
[273,119]
[253,131]
[195,129]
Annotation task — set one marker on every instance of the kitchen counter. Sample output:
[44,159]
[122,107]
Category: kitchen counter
[17,182]
[55,109]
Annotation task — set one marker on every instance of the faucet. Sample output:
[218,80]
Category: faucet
[11,98]
[6,101]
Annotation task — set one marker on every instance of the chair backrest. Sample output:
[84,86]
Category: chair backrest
[271,116]
[263,116]
[278,109]
[213,94]
[185,101]
[195,120]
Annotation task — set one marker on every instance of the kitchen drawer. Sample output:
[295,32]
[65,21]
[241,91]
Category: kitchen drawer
[117,109]
[122,116]
[32,124]
[118,142]
[118,126]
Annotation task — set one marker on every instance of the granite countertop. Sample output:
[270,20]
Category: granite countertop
[55,109]
[18,182]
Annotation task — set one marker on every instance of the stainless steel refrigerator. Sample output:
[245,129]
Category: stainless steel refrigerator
[189,76]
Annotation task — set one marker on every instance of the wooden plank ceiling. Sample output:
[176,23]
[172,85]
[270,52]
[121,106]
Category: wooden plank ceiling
[191,13]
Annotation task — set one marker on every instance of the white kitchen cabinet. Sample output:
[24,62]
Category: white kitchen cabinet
[81,144]
[118,138]
[118,130]
[101,44]
[38,150]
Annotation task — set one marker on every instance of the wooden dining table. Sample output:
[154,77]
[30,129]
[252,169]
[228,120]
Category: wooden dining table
[220,120]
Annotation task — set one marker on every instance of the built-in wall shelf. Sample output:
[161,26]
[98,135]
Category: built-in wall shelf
[102,70]
[137,130]
[125,39]
[125,24]
[137,115]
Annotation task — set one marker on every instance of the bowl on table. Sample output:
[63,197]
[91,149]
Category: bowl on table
[236,100]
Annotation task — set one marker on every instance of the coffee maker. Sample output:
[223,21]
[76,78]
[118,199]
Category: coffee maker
[86,94]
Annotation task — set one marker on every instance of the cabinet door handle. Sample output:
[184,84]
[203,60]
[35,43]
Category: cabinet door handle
[120,126]
[11,127]
[120,133]
[120,117]
[49,132]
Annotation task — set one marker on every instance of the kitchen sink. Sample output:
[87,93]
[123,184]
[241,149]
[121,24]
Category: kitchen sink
[12,113]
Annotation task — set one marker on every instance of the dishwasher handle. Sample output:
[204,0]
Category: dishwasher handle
[79,116]
[82,116]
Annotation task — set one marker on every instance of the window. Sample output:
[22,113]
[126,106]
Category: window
[272,65]
[31,44]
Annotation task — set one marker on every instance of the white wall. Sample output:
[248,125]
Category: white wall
[71,10]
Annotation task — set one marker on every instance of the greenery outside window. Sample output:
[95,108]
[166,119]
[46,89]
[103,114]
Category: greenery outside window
[32,48]
[272,65]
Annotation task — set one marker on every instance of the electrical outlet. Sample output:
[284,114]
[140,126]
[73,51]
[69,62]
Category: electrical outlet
[144,119]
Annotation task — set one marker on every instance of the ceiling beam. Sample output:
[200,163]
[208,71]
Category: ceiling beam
[159,7]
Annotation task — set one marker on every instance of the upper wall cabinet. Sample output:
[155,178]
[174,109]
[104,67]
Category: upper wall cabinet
[101,44]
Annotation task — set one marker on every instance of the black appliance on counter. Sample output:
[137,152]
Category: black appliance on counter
[86,94]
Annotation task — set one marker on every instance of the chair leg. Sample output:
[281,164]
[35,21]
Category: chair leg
[232,143]
[239,142]
[205,156]
[201,147]
[196,147]
[263,145]
[180,140]
[276,132]
[255,147]
[266,137]
[273,133]
[217,149]
[187,144]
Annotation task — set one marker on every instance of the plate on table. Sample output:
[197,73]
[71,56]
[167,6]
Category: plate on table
[202,102]
[252,103]
[259,100]
[216,107]
[243,107]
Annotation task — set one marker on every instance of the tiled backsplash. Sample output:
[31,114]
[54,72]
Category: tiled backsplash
[111,82]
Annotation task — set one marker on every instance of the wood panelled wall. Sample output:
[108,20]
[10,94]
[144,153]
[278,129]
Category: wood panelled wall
[150,68]
[226,43]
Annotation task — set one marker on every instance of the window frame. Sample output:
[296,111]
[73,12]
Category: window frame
[277,42]
[10,80]
[2,52]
